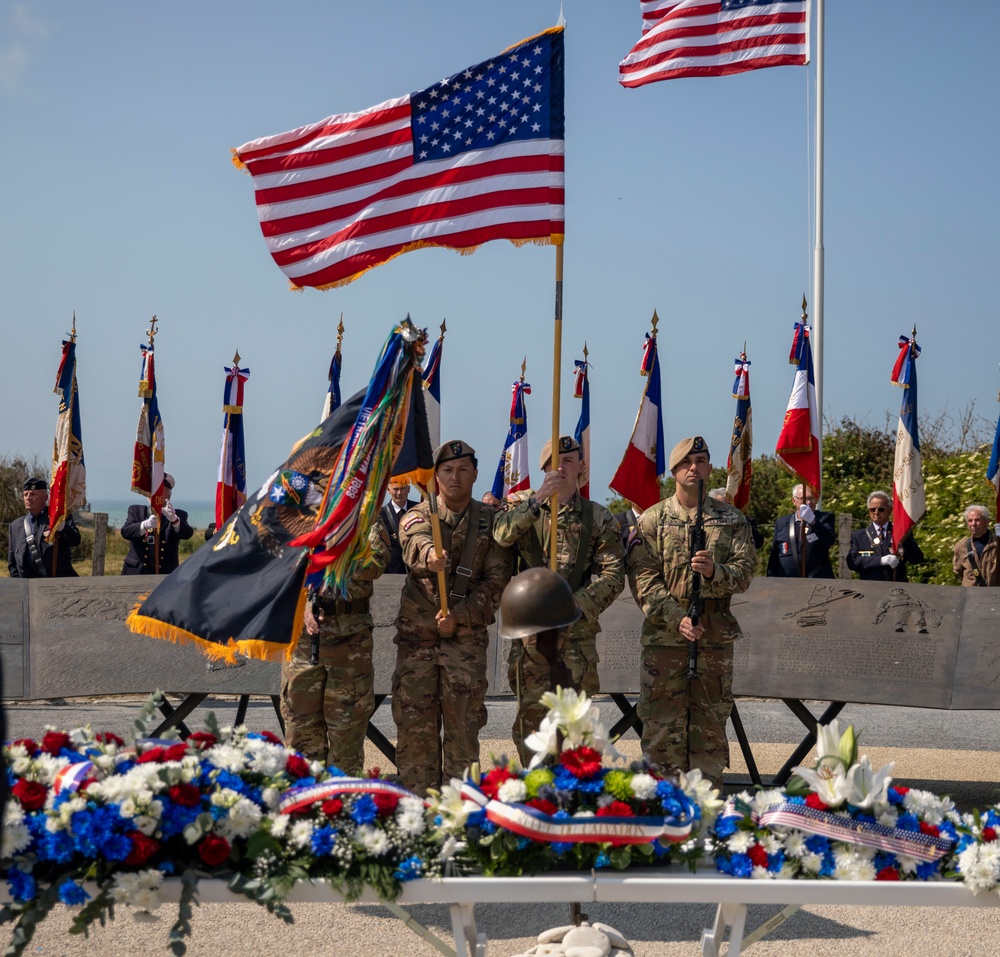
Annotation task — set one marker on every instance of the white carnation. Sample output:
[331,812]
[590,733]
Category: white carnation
[739,843]
[512,790]
[374,841]
[16,837]
[301,833]
[644,786]
[243,819]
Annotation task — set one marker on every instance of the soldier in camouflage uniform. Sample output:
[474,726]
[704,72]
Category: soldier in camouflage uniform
[684,720]
[326,707]
[590,558]
[440,679]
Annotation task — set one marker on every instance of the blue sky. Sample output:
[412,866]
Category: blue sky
[690,197]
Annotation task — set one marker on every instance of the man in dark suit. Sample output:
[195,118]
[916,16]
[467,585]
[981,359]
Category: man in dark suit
[871,554]
[390,514]
[140,529]
[802,540]
[29,555]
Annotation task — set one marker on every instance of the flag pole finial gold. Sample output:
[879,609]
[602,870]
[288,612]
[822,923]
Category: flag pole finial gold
[152,330]
[524,366]
[236,358]
[805,314]
[656,322]
[444,328]
[72,333]
[585,353]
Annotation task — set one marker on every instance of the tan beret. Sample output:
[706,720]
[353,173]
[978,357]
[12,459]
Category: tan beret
[567,444]
[458,449]
[684,448]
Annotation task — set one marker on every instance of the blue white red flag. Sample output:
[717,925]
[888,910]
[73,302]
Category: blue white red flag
[68,488]
[644,463]
[739,465]
[582,433]
[432,390]
[798,443]
[148,458]
[993,469]
[706,38]
[332,401]
[231,487]
[475,157]
[908,500]
[513,469]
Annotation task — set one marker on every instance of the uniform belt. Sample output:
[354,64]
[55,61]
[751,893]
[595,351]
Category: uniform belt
[708,605]
[337,606]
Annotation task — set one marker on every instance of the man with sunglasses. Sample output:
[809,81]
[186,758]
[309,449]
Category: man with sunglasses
[871,554]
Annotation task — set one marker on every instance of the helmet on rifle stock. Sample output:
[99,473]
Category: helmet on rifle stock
[537,600]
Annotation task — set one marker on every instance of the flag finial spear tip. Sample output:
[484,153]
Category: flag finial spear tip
[656,321]
[524,366]
[152,330]
[805,314]
[72,334]
[236,358]
[340,327]
[444,327]
[585,353]
[561,22]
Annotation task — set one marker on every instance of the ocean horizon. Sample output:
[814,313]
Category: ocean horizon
[200,513]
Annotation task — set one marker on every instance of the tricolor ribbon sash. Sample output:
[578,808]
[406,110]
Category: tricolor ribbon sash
[297,798]
[71,777]
[539,826]
[924,847]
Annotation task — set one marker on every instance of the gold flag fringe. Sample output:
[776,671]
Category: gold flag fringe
[533,37]
[237,162]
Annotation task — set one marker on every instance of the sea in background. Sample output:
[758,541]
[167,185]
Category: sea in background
[200,514]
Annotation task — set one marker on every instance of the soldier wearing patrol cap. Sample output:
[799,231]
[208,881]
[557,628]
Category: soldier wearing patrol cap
[684,719]
[589,557]
[326,706]
[439,686]
[29,555]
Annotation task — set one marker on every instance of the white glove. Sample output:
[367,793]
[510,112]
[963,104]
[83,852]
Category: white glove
[169,514]
[807,514]
[149,524]
[996,529]
[891,560]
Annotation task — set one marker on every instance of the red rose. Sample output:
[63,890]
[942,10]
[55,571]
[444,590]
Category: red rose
[615,809]
[143,848]
[203,740]
[813,801]
[540,804]
[213,850]
[375,773]
[899,789]
[297,766]
[152,755]
[582,762]
[186,795]
[107,737]
[989,834]
[386,803]
[887,874]
[54,741]
[758,856]
[331,807]
[30,746]
[31,794]
[931,829]
[175,752]
[493,779]
[271,737]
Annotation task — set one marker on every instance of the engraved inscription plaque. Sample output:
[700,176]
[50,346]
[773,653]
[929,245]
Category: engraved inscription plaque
[977,674]
[13,636]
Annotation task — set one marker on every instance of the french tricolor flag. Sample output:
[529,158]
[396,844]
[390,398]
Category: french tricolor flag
[798,443]
[512,469]
[638,476]
[582,434]
[432,389]
[993,469]
[908,500]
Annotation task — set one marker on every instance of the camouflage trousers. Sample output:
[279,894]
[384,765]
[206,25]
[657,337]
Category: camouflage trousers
[439,706]
[684,721]
[530,676]
[326,707]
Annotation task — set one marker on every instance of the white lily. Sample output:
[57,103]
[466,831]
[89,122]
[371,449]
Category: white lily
[575,715]
[701,791]
[544,741]
[867,787]
[828,780]
[451,807]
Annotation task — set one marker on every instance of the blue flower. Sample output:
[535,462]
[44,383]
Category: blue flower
[476,818]
[410,869]
[776,861]
[167,867]
[561,847]
[336,772]
[947,830]
[591,786]
[882,860]
[895,797]
[523,842]
[908,822]
[488,827]
[818,844]
[322,840]
[660,850]
[927,869]
[602,860]
[364,811]
[23,887]
[56,846]
[72,894]
[726,826]
[740,865]
[826,869]
[796,800]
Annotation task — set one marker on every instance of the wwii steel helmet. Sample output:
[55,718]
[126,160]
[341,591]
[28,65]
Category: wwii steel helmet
[538,599]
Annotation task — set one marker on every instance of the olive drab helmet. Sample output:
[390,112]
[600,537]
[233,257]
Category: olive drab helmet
[538,599]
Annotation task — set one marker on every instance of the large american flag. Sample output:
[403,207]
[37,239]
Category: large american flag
[715,38]
[477,156]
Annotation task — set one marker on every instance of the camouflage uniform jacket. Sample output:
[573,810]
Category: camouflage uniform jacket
[338,624]
[490,572]
[604,570]
[659,566]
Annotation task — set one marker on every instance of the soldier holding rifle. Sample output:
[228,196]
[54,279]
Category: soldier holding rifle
[686,697]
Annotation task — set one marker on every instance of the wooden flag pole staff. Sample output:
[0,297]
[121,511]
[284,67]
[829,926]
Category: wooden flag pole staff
[442,577]
[556,370]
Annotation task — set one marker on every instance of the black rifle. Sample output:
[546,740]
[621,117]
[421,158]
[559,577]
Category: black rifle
[695,603]
[317,610]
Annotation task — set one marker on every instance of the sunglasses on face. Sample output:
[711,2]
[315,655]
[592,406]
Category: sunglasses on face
[878,508]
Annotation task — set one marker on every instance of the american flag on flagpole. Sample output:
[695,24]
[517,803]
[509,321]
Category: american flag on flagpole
[993,469]
[705,38]
[69,474]
[513,469]
[474,157]
[739,465]
[798,443]
[908,499]
[582,434]
[231,487]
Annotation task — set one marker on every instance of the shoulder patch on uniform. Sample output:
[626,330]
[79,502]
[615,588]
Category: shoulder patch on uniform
[413,520]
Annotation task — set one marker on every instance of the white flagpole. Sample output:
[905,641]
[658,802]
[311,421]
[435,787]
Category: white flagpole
[817,303]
